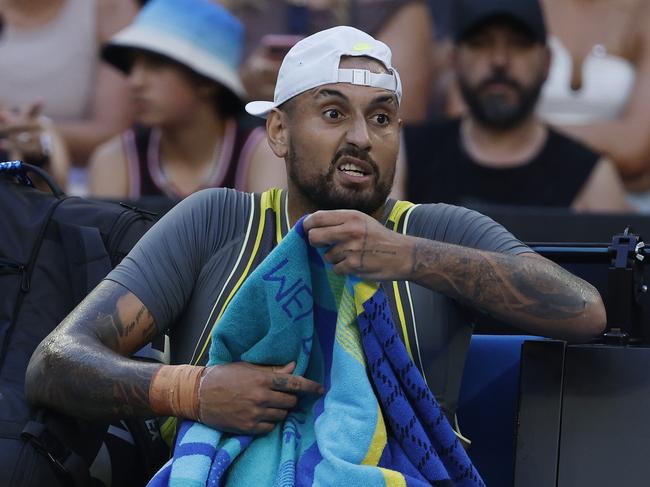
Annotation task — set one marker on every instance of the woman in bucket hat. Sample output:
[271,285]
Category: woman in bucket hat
[182,59]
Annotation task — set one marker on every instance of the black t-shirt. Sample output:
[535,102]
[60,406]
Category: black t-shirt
[440,170]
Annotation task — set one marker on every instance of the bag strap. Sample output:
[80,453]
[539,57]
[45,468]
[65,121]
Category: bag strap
[4,338]
[64,460]
[20,170]
[87,257]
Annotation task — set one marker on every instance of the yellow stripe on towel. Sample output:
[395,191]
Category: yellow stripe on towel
[378,442]
[363,291]
[393,478]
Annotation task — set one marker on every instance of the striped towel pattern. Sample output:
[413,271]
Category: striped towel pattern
[377,423]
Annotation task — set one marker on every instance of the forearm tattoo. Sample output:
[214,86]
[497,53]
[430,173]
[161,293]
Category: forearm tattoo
[504,285]
[81,368]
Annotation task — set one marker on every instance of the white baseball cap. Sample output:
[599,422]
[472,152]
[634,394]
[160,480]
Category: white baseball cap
[314,61]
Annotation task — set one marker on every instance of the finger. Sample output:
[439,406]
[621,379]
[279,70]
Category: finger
[322,237]
[278,369]
[336,255]
[280,400]
[295,384]
[343,269]
[273,415]
[326,218]
[285,369]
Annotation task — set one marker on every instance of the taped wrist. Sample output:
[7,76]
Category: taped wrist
[174,391]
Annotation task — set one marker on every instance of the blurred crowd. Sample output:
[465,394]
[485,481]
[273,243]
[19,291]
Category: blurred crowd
[120,99]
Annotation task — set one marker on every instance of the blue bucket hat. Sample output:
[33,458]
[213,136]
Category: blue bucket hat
[199,34]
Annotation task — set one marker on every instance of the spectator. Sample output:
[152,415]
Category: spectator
[405,25]
[182,59]
[599,84]
[500,152]
[28,137]
[49,57]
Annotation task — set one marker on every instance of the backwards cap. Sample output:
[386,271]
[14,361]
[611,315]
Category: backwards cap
[314,61]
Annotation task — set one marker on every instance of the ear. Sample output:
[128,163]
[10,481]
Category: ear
[277,132]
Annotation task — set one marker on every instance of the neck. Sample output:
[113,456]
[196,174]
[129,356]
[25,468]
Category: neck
[193,142]
[503,148]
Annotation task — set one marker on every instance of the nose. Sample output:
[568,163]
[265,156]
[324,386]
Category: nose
[357,133]
[137,74]
[500,54]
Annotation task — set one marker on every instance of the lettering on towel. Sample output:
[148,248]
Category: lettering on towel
[296,300]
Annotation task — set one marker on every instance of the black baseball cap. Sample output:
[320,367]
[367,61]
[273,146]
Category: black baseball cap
[471,14]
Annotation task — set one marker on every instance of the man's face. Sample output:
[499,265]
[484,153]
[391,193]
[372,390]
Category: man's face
[342,144]
[500,72]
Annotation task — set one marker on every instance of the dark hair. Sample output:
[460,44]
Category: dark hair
[226,103]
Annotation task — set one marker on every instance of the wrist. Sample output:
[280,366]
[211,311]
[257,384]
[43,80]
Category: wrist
[174,391]
[424,257]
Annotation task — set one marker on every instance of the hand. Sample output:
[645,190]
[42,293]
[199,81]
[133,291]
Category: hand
[25,135]
[360,245]
[250,399]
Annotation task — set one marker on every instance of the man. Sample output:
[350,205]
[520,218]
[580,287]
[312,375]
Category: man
[500,152]
[335,121]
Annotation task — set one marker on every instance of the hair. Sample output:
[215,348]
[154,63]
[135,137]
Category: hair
[226,103]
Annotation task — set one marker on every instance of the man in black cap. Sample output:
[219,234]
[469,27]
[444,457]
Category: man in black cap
[500,152]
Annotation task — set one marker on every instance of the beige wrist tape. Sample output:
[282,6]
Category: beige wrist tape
[174,390]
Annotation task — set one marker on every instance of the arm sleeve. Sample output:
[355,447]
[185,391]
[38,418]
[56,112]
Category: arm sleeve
[461,226]
[163,267]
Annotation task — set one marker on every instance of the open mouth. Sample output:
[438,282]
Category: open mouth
[351,166]
[352,170]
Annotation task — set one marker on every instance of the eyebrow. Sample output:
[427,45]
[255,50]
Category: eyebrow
[324,93]
[384,99]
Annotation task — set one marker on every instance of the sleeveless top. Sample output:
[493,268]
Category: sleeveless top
[440,170]
[55,63]
[145,173]
[607,83]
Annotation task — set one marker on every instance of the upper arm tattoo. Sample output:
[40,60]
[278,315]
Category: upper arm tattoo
[81,368]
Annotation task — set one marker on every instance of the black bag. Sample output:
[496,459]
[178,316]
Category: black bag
[54,249]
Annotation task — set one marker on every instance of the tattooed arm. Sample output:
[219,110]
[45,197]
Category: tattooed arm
[82,369]
[526,290]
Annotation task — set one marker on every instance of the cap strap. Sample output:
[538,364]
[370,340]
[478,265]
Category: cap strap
[364,77]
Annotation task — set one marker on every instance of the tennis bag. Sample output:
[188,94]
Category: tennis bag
[54,250]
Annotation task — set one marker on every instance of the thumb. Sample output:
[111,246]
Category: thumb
[285,369]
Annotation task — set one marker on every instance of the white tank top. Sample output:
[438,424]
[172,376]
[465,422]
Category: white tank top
[607,82]
[55,63]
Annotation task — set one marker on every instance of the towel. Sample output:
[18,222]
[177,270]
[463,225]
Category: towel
[377,424]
